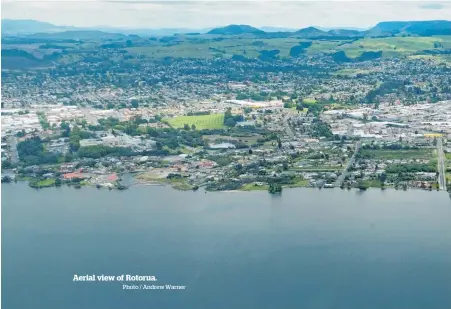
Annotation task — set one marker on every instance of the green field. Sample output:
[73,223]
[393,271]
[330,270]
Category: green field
[434,59]
[309,100]
[251,47]
[35,183]
[393,46]
[373,183]
[298,183]
[318,169]
[213,121]
[254,187]
[381,154]
[448,177]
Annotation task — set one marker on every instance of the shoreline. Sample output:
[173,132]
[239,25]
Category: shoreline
[159,184]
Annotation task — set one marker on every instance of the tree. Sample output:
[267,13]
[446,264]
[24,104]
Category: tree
[361,185]
[285,166]
[135,103]
[365,117]
[21,133]
[186,127]
[382,178]
[193,127]
[229,122]
[6,179]
[275,188]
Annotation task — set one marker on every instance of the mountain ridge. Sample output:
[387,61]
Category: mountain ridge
[384,28]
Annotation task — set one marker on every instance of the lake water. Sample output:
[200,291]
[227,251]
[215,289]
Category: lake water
[305,249]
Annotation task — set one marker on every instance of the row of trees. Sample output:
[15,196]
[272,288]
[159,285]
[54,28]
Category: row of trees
[231,120]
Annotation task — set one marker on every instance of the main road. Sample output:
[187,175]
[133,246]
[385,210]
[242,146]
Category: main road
[12,141]
[287,126]
[441,164]
[341,178]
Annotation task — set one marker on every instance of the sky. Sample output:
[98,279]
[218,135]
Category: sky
[213,13]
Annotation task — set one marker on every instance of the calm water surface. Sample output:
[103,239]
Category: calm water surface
[304,249]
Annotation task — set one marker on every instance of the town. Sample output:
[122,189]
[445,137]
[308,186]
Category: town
[226,144]
[111,115]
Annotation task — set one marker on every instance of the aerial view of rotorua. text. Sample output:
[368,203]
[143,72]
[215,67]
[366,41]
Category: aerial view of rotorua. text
[225,154]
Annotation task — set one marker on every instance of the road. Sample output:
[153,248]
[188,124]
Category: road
[287,126]
[12,141]
[341,178]
[441,165]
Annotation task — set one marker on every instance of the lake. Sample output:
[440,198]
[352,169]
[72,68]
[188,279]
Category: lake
[304,249]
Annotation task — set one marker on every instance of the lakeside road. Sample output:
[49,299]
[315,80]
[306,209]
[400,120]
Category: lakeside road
[341,178]
[441,164]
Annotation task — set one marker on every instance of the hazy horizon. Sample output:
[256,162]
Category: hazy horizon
[209,14]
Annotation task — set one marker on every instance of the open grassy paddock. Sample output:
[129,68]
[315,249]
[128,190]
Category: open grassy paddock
[213,121]
[250,47]
[393,46]
[382,154]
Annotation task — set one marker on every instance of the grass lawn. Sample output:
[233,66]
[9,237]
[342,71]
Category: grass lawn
[309,100]
[180,184]
[23,178]
[213,121]
[314,169]
[46,183]
[254,187]
[298,183]
[448,177]
[382,154]
[392,46]
[50,182]
[373,183]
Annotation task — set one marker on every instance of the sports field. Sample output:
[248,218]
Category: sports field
[213,121]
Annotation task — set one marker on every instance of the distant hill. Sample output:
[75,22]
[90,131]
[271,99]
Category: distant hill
[77,35]
[29,26]
[311,32]
[388,28]
[341,28]
[277,29]
[344,32]
[420,28]
[236,29]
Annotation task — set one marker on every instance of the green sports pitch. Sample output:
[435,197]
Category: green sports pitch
[213,121]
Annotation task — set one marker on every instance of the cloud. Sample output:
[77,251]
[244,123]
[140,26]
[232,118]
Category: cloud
[432,6]
[213,13]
